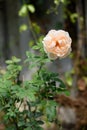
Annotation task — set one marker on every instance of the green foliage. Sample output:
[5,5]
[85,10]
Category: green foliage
[31,8]
[68,77]
[26,102]
[49,109]
[23,28]
[36,28]
[57,3]
[23,11]
[25,8]
[73,17]
[66,11]
[13,69]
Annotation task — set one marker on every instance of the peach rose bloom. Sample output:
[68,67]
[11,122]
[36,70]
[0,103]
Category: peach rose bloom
[57,44]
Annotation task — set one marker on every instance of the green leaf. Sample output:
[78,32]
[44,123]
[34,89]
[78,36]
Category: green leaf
[73,17]
[21,123]
[68,77]
[38,128]
[56,2]
[11,127]
[36,28]
[35,47]
[23,11]
[35,128]
[31,8]
[67,93]
[23,27]
[15,59]
[40,122]
[31,43]
[8,61]
[28,93]
[69,81]
[50,109]
[62,1]
[28,128]
[38,114]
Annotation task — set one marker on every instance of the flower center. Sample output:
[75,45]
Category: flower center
[57,44]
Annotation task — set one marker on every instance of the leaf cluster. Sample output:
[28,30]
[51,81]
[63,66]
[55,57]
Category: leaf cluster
[25,103]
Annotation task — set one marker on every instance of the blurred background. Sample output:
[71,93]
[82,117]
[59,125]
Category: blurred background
[20,29]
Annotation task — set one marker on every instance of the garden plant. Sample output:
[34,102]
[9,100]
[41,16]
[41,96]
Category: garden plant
[28,104]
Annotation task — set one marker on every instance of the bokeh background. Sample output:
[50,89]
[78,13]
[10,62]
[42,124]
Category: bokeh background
[19,31]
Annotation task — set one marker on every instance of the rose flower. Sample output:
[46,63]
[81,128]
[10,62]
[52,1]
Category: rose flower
[57,44]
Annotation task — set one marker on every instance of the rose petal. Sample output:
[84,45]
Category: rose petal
[57,44]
